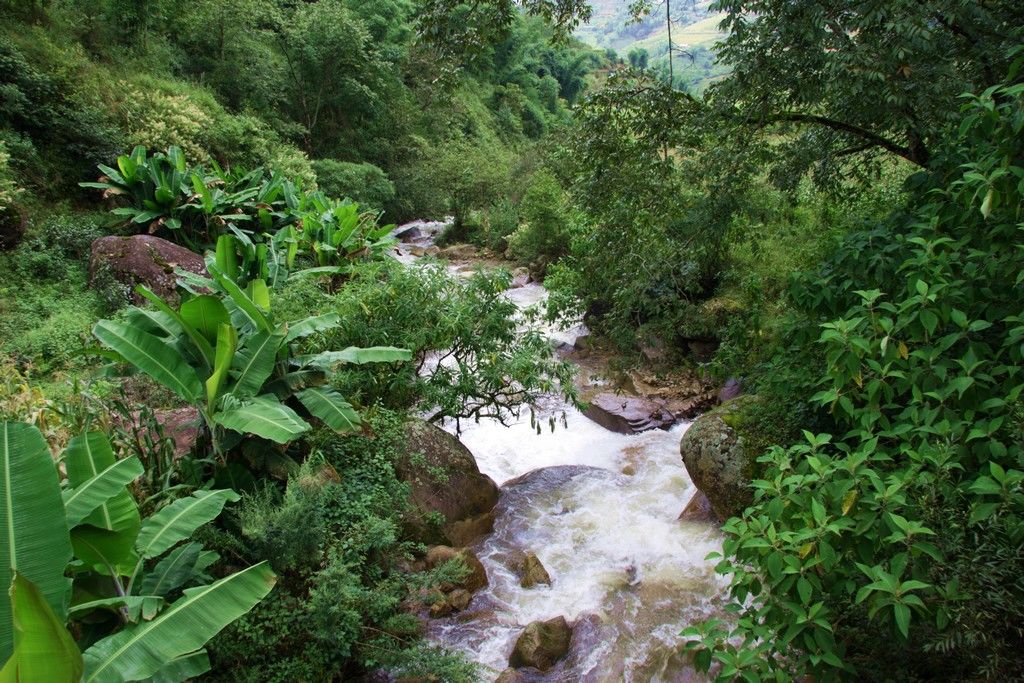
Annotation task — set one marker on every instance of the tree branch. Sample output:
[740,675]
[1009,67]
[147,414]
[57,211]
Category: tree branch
[917,155]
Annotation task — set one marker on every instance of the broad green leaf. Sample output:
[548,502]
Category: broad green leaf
[265,417]
[35,533]
[331,407]
[106,552]
[179,520]
[141,651]
[254,363]
[251,311]
[94,494]
[184,668]
[227,344]
[138,606]
[43,648]
[85,457]
[374,354]
[227,257]
[172,571]
[152,356]
[201,343]
[319,323]
[206,314]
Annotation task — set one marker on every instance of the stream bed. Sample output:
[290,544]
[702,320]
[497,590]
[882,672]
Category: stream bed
[600,510]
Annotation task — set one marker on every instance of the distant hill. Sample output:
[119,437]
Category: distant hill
[694,33]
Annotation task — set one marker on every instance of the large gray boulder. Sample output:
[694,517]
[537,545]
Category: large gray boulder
[452,500]
[143,260]
[716,456]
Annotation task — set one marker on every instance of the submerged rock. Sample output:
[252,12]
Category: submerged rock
[715,456]
[143,260]
[533,572]
[542,644]
[628,414]
[698,509]
[444,480]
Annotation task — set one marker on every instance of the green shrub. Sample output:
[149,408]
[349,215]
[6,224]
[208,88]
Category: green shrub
[363,183]
[896,540]
[492,369]
[543,237]
[332,537]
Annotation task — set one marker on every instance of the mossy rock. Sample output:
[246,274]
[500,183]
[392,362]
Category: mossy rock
[717,452]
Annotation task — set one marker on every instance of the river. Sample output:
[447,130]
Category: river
[600,510]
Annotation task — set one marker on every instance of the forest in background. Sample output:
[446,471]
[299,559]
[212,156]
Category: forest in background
[834,225]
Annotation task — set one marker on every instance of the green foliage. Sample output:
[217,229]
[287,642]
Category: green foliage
[364,183]
[893,524]
[471,360]
[144,640]
[544,235]
[9,189]
[333,537]
[225,354]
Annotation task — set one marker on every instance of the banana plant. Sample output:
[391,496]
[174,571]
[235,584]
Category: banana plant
[154,640]
[223,352]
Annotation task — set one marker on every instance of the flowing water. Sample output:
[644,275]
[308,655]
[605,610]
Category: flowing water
[600,511]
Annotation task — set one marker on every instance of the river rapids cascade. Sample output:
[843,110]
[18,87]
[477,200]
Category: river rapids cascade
[600,510]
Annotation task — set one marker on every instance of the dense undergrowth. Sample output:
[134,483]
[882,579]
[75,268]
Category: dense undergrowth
[836,226]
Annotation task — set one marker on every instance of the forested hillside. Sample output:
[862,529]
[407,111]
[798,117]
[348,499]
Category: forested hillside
[385,341]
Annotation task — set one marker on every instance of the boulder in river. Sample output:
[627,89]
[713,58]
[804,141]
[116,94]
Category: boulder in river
[698,509]
[477,576]
[533,572]
[717,459]
[521,278]
[511,675]
[541,644]
[628,414]
[444,480]
[143,260]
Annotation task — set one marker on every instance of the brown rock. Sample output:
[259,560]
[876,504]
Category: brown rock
[459,599]
[444,479]
[510,676]
[533,572]
[145,260]
[477,577]
[520,278]
[698,509]
[628,414]
[541,644]
[466,531]
[441,608]
[629,470]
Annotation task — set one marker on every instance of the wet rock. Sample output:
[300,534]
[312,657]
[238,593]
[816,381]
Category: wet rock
[533,572]
[698,509]
[716,459]
[444,479]
[520,278]
[441,608]
[628,414]
[730,390]
[408,233]
[459,599]
[510,676]
[466,531]
[145,260]
[629,470]
[541,644]
[477,577]
[459,252]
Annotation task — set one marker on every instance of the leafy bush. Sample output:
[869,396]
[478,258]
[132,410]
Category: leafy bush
[333,537]
[884,526]
[363,183]
[543,237]
[470,358]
